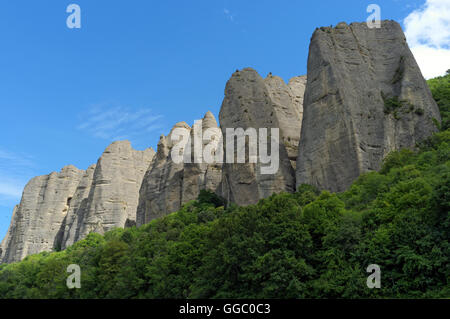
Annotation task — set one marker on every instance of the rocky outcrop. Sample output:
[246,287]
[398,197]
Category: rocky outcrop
[40,214]
[114,193]
[168,184]
[4,251]
[161,189]
[365,97]
[59,209]
[253,102]
[198,174]
[73,222]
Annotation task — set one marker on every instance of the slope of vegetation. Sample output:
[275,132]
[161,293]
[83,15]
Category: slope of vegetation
[302,245]
[440,88]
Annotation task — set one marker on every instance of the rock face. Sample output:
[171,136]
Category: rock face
[59,209]
[114,194]
[168,185]
[365,97]
[73,222]
[161,190]
[253,102]
[37,220]
[4,245]
[198,175]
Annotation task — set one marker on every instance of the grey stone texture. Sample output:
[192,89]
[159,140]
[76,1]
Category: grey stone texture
[356,76]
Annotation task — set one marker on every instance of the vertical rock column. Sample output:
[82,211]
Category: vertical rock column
[114,194]
[253,102]
[365,97]
[70,229]
[162,187]
[38,218]
[203,175]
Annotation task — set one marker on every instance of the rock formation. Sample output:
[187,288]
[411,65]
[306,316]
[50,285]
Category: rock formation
[161,189]
[167,185]
[198,174]
[38,219]
[59,209]
[114,193]
[365,97]
[73,222]
[253,102]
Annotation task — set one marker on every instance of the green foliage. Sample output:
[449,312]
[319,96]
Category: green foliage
[207,197]
[302,245]
[440,88]
[391,104]
[309,244]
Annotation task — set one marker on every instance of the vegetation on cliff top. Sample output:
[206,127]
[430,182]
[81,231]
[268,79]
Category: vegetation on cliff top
[302,245]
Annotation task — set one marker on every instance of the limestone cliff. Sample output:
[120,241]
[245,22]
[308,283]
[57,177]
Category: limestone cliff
[114,194]
[40,214]
[365,97]
[253,102]
[59,209]
[73,222]
[162,186]
[199,174]
[167,184]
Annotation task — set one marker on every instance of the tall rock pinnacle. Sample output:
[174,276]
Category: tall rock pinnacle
[203,175]
[253,102]
[161,189]
[365,97]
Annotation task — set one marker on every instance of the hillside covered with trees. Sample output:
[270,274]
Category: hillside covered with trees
[308,244]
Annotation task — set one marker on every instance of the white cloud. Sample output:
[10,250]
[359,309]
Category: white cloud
[427,30]
[15,170]
[228,14]
[119,123]
[11,189]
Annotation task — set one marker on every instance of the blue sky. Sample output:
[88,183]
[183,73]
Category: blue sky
[135,68]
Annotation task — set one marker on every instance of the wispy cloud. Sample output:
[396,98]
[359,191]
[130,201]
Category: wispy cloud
[229,15]
[118,122]
[15,170]
[427,30]
[11,189]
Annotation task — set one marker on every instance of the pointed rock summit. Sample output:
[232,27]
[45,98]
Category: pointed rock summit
[365,97]
[200,174]
[253,102]
[162,186]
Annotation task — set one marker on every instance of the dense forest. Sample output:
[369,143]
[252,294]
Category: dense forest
[308,244]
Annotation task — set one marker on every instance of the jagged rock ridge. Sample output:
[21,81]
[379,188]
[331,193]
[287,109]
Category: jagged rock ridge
[167,185]
[59,209]
[364,97]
